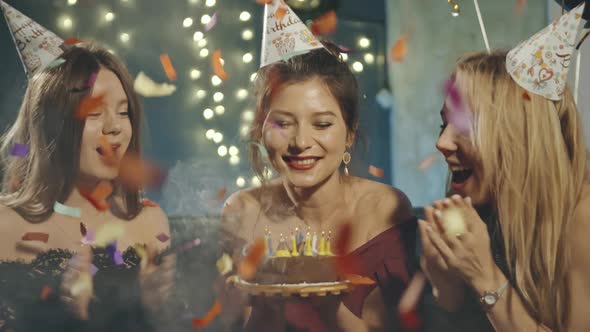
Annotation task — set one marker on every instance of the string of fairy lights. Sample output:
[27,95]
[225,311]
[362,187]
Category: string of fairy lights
[198,27]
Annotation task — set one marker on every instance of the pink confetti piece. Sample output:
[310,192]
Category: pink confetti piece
[188,245]
[428,162]
[212,23]
[344,49]
[91,80]
[458,114]
[89,237]
[19,150]
[162,237]
[118,258]
[93,270]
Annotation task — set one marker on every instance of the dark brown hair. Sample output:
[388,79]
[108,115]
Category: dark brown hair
[325,64]
[46,123]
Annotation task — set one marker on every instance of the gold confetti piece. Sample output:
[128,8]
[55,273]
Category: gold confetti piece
[168,68]
[456,10]
[248,266]
[356,279]
[453,221]
[224,264]
[109,233]
[218,68]
[146,87]
[399,50]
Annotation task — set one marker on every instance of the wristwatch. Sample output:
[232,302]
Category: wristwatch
[490,298]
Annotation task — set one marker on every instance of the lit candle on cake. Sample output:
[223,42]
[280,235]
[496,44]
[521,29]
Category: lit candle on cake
[308,250]
[282,249]
[314,244]
[328,249]
[322,251]
[294,251]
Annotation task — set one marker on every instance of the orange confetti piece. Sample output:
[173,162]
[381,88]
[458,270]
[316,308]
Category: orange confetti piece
[45,292]
[88,105]
[99,195]
[526,96]
[72,41]
[218,66]
[107,151]
[221,194]
[280,13]
[247,267]
[168,68]
[264,2]
[325,24]
[147,202]
[428,162]
[519,8]
[209,317]
[35,236]
[356,279]
[376,172]
[135,173]
[399,50]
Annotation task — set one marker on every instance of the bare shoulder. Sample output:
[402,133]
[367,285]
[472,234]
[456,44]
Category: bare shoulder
[153,222]
[12,227]
[389,205]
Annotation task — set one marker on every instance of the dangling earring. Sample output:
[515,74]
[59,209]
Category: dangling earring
[346,157]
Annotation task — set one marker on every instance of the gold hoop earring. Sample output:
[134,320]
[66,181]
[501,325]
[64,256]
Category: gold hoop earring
[346,157]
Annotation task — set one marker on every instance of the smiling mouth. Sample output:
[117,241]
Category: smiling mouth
[460,175]
[300,163]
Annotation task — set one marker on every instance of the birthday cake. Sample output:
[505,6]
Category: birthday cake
[307,261]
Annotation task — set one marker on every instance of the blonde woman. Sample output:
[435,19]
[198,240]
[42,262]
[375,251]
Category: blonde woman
[517,163]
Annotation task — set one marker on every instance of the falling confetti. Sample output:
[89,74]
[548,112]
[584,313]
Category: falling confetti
[247,267]
[526,96]
[168,68]
[67,210]
[109,233]
[162,237]
[345,49]
[91,80]
[409,320]
[456,10]
[147,202]
[72,41]
[428,162]
[399,50]
[135,173]
[224,264]
[146,87]
[280,13]
[35,236]
[93,270]
[325,24]
[356,279]
[19,150]
[457,113]
[212,23]
[46,292]
[88,105]
[519,8]
[221,194]
[99,195]
[376,172]
[264,2]
[56,63]
[218,68]
[209,317]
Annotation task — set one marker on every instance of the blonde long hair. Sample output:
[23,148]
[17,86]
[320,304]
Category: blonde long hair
[533,156]
[46,123]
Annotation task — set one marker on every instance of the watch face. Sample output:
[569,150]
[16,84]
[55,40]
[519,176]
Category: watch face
[489,299]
